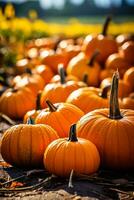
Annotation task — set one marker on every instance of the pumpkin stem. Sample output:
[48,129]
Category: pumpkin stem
[93,57]
[51,106]
[105,26]
[72,134]
[85,78]
[62,74]
[114,112]
[38,106]
[104,91]
[28,71]
[30,120]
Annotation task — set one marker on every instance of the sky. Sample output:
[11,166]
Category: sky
[59,3]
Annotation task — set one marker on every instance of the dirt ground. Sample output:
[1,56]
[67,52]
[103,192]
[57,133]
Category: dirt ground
[37,184]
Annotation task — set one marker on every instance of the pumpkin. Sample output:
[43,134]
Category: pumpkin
[81,65]
[33,81]
[127,51]
[104,43]
[128,102]
[58,92]
[23,145]
[59,116]
[63,155]
[89,98]
[33,113]
[22,64]
[122,38]
[44,71]
[53,59]
[115,61]
[129,77]
[124,88]
[112,131]
[16,102]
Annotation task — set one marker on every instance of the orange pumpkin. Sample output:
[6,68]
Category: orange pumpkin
[129,77]
[124,88]
[44,71]
[22,64]
[127,51]
[58,92]
[59,116]
[89,98]
[122,38]
[33,81]
[74,153]
[128,102]
[81,65]
[105,44]
[23,145]
[106,73]
[112,131]
[115,61]
[16,102]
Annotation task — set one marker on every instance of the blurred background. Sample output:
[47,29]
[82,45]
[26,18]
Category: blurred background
[84,10]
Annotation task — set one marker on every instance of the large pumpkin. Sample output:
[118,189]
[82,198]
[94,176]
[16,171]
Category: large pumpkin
[58,92]
[104,43]
[89,98]
[16,102]
[59,116]
[64,155]
[112,131]
[23,145]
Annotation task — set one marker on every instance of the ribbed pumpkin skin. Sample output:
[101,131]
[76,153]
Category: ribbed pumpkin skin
[16,104]
[57,92]
[61,119]
[24,145]
[87,99]
[113,138]
[61,156]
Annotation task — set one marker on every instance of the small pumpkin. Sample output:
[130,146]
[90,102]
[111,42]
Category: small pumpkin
[59,116]
[23,145]
[33,113]
[115,61]
[104,43]
[89,98]
[33,81]
[129,77]
[16,102]
[63,155]
[127,51]
[112,131]
[128,102]
[22,64]
[81,65]
[44,71]
[122,38]
[106,73]
[58,92]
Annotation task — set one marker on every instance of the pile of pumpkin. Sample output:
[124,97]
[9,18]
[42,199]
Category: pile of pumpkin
[83,99]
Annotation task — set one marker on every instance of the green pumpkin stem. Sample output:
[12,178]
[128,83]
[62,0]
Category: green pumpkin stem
[114,112]
[30,120]
[104,91]
[105,26]
[72,134]
[51,106]
[38,106]
[62,74]
[93,58]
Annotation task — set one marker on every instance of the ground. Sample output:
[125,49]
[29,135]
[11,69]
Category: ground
[38,184]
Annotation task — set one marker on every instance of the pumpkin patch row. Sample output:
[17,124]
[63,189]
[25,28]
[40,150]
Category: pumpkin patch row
[73,104]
